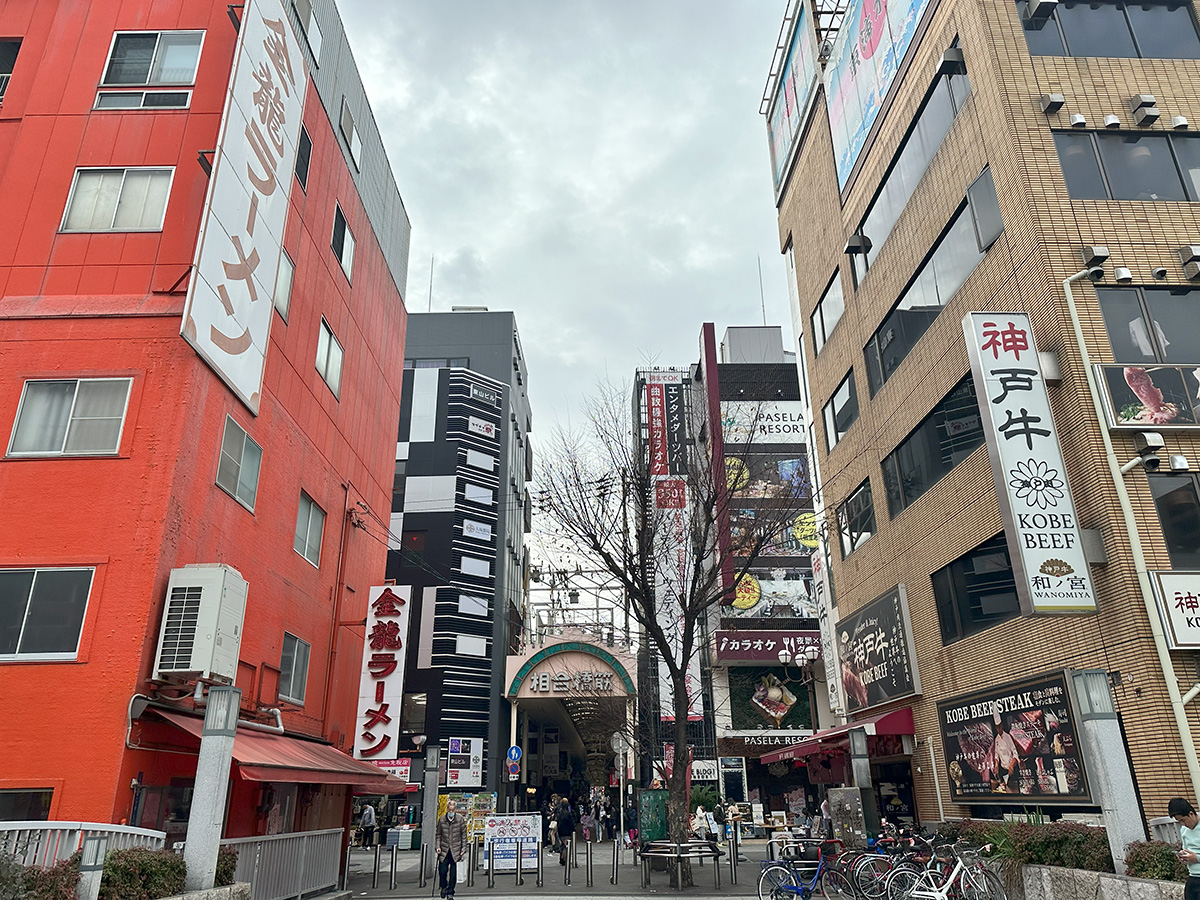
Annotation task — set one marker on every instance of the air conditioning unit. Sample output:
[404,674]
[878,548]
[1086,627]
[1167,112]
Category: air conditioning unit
[1040,10]
[202,624]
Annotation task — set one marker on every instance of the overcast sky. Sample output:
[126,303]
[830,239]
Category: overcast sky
[600,168]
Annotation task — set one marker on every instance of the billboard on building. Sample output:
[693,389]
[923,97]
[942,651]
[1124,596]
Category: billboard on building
[762,476]
[765,592]
[1040,524]
[464,764]
[381,684]
[1150,398]
[793,94]
[875,650]
[1178,595]
[1014,743]
[867,53]
[227,314]
[761,422]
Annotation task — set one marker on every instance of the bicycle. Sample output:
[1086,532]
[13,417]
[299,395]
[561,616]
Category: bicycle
[788,879]
[969,879]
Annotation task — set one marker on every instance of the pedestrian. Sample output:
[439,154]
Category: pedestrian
[631,821]
[450,846]
[1189,832]
[367,823]
[826,819]
[566,828]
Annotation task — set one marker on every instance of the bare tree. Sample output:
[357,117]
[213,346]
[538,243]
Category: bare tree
[598,504]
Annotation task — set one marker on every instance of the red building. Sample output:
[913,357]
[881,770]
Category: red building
[128,455]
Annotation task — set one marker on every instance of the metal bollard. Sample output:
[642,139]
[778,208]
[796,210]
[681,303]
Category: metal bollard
[424,863]
[733,854]
[540,874]
[717,872]
[346,871]
[392,869]
[491,852]
[375,872]
[574,853]
[567,867]
[472,861]
[587,858]
[520,862]
[612,879]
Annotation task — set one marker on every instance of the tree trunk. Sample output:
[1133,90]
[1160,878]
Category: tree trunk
[678,815]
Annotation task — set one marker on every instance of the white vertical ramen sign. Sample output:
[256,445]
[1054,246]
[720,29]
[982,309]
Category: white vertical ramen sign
[1040,524]
[227,318]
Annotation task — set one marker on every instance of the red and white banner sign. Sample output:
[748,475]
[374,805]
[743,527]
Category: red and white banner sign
[765,646]
[381,687]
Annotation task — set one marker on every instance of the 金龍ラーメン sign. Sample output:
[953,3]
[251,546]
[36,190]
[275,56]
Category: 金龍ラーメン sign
[1040,524]
[1015,743]
[227,316]
[381,686]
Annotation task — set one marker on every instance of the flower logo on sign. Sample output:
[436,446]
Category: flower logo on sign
[1037,483]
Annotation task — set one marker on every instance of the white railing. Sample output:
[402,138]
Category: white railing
[283,866]
[3,85]
[43,844]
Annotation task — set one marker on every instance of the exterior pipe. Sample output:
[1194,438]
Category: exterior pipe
[1135,549]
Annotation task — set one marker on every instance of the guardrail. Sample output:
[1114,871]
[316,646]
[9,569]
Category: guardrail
[283,866]
[44,844]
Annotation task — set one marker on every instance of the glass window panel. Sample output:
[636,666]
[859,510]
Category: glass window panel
[94,200]
[287,665]
[45,414]
[1126,325]
[1077,156]
[1041,35]
[935,122]
[131,57]
[143,199]
[165,99]
[300,542]
[1095,29]
[1178,505]
[324,337]
[299,686]
[1174,318]
[334,372]
[178,54]
[8,56]
[955,258]
[25,806]
[960,88]
[976,591]
[283,284]
[985,209]
[14,602]
[891,484]
[119,100]
[96,419]
[1139,167]
[348,253]
[339,231]
[56,609]
[316,526]
[247,483]
[229,464]
[1187,149]
[303,157]
[874,365]
[846,413]
[1164,32]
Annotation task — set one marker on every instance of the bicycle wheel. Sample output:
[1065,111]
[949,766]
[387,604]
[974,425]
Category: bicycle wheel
[836,886]
[869,876]
[777,883]
[901,881]
[980,883]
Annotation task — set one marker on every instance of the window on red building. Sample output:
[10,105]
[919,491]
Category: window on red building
[118,200]
[241,458]
[153,57]
[42,612]
[310,525]
[70,417]
[293,669]
[329,358]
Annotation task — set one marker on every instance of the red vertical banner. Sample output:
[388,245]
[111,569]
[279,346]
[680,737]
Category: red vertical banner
[656,415]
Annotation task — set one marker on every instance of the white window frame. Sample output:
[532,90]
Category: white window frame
[309,504]
[309,25]
[124,170]
[160,32]
[345,257]
[34,454]
[352,134]
[142,95]
[290,696]
[231,421]
[323,365]
[281,297]
[53,656]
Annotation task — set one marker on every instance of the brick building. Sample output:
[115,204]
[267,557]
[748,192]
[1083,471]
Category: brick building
[934,158]
[159,417]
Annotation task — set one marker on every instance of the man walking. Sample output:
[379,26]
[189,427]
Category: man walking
[450,845]
[368,824]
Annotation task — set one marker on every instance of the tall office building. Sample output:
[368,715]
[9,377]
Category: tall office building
[1007,442]
[461,510]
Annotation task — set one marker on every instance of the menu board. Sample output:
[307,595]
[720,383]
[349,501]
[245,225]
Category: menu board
[1014,742]
[875,651]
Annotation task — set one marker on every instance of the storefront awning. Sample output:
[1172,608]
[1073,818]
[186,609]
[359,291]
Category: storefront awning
[276,757]
[898,721]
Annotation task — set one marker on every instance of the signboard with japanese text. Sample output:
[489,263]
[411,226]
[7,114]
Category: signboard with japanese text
[227,314]
[1178,594]
[550,753]
[580,682]
[704,770]
[464,763]
[870,46]
[503,833]
[793,93]
[480,427]
[874,647]
[825,622]
[485,395]
[763,422]
[381,685]
[1014,743]
[764,646]
[766,592]
[400,767]
[1040,524]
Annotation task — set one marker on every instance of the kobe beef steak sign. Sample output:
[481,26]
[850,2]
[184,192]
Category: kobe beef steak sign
[1015,743]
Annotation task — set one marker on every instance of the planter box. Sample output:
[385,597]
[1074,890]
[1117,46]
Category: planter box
[237,891]
[1054,883]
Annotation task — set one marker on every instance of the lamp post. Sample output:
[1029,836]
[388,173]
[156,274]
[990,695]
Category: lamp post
[212,784]
[806,658]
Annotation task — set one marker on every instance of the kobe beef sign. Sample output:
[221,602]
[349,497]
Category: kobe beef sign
[1040,525]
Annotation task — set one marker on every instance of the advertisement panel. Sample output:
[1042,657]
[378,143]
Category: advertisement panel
[791,541]
[766,476]
[1150,398]
[1012,743]
[870,46]
[762,422]
[504,833]
[766,592]
[825,623]
[765,646]
[762,696]
[793,93]
[1178,594]
[1040,524]
[381,683]
[876,653]
[227,314]
[464,764]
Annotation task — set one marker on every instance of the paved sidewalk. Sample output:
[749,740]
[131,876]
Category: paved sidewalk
[629,882]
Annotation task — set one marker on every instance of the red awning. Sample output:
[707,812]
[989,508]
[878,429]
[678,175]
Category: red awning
[898,721]
[276,757]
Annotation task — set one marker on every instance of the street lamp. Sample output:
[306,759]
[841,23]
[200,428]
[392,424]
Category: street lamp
[805,658]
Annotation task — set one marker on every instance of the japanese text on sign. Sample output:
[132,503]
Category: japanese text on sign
[571,682]
[381,687]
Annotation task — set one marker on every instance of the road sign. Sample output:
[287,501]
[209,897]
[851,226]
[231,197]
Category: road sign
[514,753]
[514,768]
[514,776]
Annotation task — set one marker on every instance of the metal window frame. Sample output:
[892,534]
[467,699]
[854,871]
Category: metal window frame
[62,656]
[1092,133]
[849,542]
[818,316]
[157,43]
[323,365]
[287,303]
[112,229]
[312,504]
[289,697]
[44,454]
[308,167]
[341,254]
[1123,7]
[142,107]
[230,420]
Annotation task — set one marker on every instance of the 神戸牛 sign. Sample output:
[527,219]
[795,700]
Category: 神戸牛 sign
[1012,743]
[1040,524]
[1178,594]
[876,654]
